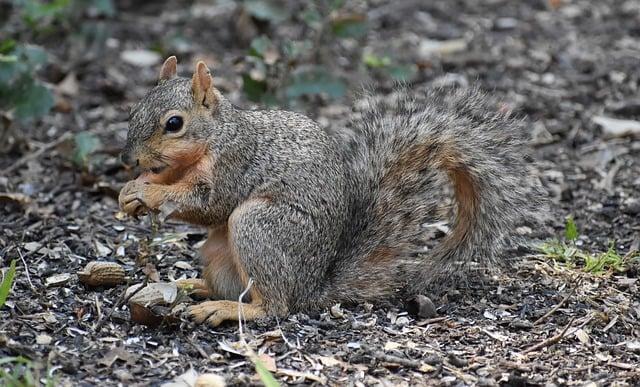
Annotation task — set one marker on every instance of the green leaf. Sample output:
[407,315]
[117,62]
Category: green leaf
[266,10]
[352,26]
[7,46]
[259,45]
[7,281]
[254,89]
[104,7]
[336,4]
[35,56]
[315,81]
[296,49]
[570,229]
[33,100]
[86,143]
[8,70]
[375,61]
[403,72]
[312,17]
[265,376]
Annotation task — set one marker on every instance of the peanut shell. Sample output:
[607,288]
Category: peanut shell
[102,274]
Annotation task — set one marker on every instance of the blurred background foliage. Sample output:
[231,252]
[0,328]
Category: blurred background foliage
[23,95]
[273,71]
[290,55]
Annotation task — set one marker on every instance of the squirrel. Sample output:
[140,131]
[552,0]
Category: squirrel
[304,218]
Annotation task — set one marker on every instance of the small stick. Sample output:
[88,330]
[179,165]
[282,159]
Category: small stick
[121,300]
[26,268]
[431,321]
[198,348]
[550,341]
[558,306]
[37,153]
[390,358]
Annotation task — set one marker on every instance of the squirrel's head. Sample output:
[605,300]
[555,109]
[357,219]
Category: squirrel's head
[168,127]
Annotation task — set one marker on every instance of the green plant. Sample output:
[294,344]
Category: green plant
[7,281]
[21,93]
[568,252]
[384,64]
[22,372]
[40,15]
[265,376]
[86,144]
[284,72]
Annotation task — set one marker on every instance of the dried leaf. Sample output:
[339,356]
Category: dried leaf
[57,279]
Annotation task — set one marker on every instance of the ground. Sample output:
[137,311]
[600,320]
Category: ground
[560,65]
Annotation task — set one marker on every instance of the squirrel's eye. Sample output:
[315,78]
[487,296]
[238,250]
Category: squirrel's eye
[173,124]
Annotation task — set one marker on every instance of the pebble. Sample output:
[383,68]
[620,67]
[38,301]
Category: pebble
[421,306]
[631,206]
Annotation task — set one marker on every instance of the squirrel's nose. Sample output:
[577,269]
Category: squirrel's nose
[127,158]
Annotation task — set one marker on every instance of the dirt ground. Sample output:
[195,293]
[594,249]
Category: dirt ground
[561,65]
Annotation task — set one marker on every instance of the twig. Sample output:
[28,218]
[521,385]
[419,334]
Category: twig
[550,341]
[121,300]
[26,268]
[431,321]
[558,306]
[390,358]
[197,347]
[284,338]
[37,153]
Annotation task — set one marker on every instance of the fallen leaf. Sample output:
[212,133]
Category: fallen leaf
[140,58]
[429,48]
[14,197]
[118,353]
[183,265]
[43,339]
[582,336]
[613,127]
[150,270]
[489,315]
[391,345]
[57,279]
[268,362]
[187,379]
[32,247]
[101,250]
[210,380]
[330,361]
[69,86]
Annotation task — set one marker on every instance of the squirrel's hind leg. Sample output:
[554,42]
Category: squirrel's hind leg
[220,271]
[282,249]
[216,312]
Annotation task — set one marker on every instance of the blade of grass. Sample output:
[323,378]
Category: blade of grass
[5,286]
[265,376]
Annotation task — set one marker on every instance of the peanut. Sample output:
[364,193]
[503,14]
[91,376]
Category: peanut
[102,274]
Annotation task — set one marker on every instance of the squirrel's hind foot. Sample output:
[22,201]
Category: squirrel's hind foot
[216,312]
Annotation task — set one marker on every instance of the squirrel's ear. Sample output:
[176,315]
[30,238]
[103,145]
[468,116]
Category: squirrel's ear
[202,85]
[169,69]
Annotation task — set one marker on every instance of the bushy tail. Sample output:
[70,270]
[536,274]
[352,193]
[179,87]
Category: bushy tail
[402,156]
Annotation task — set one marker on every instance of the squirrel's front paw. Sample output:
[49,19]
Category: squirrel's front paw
[137,196]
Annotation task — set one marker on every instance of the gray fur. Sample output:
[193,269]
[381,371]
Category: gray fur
[327,205]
